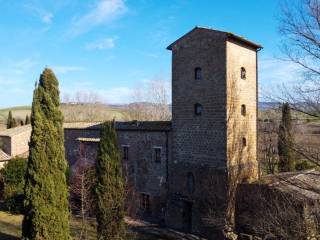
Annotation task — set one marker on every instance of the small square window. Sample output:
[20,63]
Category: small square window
[157,155]
[198,109]
[125,153]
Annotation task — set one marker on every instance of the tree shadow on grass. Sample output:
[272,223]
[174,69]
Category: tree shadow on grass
[4,236]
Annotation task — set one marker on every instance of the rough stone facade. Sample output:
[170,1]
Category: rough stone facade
[15,141]
[213,146]
[185,172]
[146,176]
[283,206]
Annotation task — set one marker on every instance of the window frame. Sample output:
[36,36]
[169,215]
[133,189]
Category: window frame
[243,110]
[198,74]
[244,142]
[157,158]
[198,106]
[243,73]
[125,154]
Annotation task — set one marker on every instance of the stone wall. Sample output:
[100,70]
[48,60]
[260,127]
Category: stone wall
[20,143]
[242,129]
[145,177]
[210,146]
[263,210]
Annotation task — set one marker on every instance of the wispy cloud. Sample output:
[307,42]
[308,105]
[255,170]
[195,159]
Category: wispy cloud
[104,11]
[275,75]
[67,69]
[106,43]
[275,71]
[44,15]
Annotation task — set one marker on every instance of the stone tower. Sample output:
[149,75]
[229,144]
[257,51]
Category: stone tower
[214,127]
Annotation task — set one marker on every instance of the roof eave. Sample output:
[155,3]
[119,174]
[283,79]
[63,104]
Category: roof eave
[243,40]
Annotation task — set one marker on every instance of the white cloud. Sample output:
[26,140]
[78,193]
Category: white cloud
[47,18]
[106,43]
[275,71]
[44,15]
[67,69]
[275,75]
[117,95]
[104,11]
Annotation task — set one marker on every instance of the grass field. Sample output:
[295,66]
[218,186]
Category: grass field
[72,113]
[10,229]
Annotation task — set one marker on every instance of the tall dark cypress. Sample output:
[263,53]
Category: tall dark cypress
[46,215]
[10,120]
[27,121]
[285,141]
[109,189]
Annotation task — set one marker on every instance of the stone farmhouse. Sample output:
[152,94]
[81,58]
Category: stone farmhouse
[185,172]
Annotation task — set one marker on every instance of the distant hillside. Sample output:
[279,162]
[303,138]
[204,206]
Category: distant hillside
[18,112]
[73,112]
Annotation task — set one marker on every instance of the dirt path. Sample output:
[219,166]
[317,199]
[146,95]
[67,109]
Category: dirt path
[161,232]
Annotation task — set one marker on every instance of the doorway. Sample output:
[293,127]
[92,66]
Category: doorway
[187,216]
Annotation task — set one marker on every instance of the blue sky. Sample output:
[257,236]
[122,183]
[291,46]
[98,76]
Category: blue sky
[113,46]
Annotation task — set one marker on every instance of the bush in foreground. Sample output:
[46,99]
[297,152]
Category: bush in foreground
[13,175]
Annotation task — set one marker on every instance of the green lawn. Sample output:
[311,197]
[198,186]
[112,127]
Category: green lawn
[10,229]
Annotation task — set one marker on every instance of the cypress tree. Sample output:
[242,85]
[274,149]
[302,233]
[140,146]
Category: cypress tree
[109,189]
[285,141]
[14,123]
[10,120]
[46,213]
[27,121]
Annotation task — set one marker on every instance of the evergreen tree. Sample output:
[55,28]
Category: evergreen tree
[27,121]
[46,214]
[14,123]
[285,141]
[21,123]
[10,120]
[109,189]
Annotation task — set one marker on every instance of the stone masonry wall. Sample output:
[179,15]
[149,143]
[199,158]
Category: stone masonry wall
[20,143]
[242,92]
[144,175]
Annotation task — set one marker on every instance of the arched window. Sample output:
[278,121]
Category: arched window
[244,142]
[243,73]
[243,110]
[197,73]
[198,109]
[190,183]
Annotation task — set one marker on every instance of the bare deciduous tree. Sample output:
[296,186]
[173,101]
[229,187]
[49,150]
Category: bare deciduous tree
[151,102]
[300,28]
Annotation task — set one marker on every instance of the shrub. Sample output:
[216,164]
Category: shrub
[13,177]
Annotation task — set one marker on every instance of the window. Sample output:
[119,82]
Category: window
[198,109]
[125,153]
[244,142]
[157,154]
[145,202]
[243,110]
[190,182]
[243,73]
[197,73]
[83,150]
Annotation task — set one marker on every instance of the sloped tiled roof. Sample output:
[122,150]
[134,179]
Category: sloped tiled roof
[124,126]
[4,156]
[15,131]
[305,184]
[228,34]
